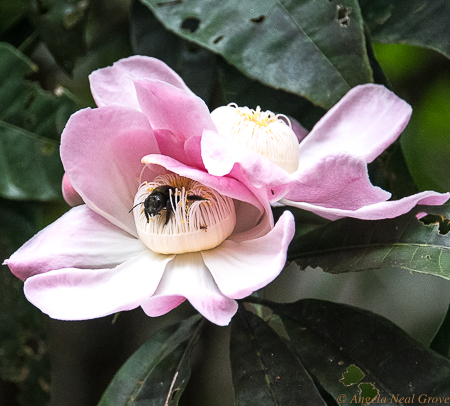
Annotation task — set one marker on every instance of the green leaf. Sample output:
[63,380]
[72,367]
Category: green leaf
[404,242]
[441,341]
[60,25]
[25,363]
[31,121]
[309,48]
[11,11]
[415,22]
[356,354]
[240,89]
[157,373]
[265,371]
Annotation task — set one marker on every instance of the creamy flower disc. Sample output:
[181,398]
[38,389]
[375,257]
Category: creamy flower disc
[194,225]
[264,132]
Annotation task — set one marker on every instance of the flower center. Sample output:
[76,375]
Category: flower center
[174,215]
[264,132]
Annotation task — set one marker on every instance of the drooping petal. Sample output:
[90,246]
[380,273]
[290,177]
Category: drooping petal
[173,110]
[337,181]
[187,277]
[222,156]
[70,195]
[115,84]
[224,185]
[241,268]
[79,239]
[101,151]
[363,123]
[376,211]
[78,294]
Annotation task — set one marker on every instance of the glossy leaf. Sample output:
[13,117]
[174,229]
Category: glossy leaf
[278,42]
[60,25]
[31,121]
[405,242]
[157,373]
[415,22]
[265,371]
[441,341]
[356,354]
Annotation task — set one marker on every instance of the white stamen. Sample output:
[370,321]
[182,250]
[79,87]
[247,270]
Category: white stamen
[193,225]
[264,132]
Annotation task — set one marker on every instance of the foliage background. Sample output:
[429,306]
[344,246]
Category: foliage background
[68,39]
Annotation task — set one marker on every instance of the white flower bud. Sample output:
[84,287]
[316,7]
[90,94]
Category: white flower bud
[264,132]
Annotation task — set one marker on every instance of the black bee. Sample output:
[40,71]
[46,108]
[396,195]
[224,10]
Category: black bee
[159,200]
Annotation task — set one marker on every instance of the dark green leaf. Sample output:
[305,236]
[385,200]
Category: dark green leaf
[415,22]
[23,347]
[157,373]
[60,25]
[11,11]
[194,64]
[309,48]
[240,89]
[31,121]
[390,172]
[441,341]
[405,242]
[265,372]
[357,354]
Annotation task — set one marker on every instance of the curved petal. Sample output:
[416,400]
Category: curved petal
[187,277]
[376,211]
[70,195]
[174,110]
[101,151]
[114,84]
[79,294]
[221,156]
[364,123]
[224,185]
[241,268]
[339,181]
[79,239]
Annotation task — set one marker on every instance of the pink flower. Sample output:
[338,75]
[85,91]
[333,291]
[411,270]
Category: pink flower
[330,178]
[214,241]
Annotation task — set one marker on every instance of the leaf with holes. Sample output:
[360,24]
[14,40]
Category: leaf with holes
[417,241]
[31,121]
[265,371]
[313,49]
[159,370]
[60,25]
[354,353]
[415,22]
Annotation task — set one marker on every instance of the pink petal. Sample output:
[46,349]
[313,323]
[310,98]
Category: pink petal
[101,151]
[222,156]
[225,185]
[187,277]
[79,239]
[173,110]
[114,84]
[364,123]
[339,181]
[78,294]
[376,211]
[70,195]
[241,268]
